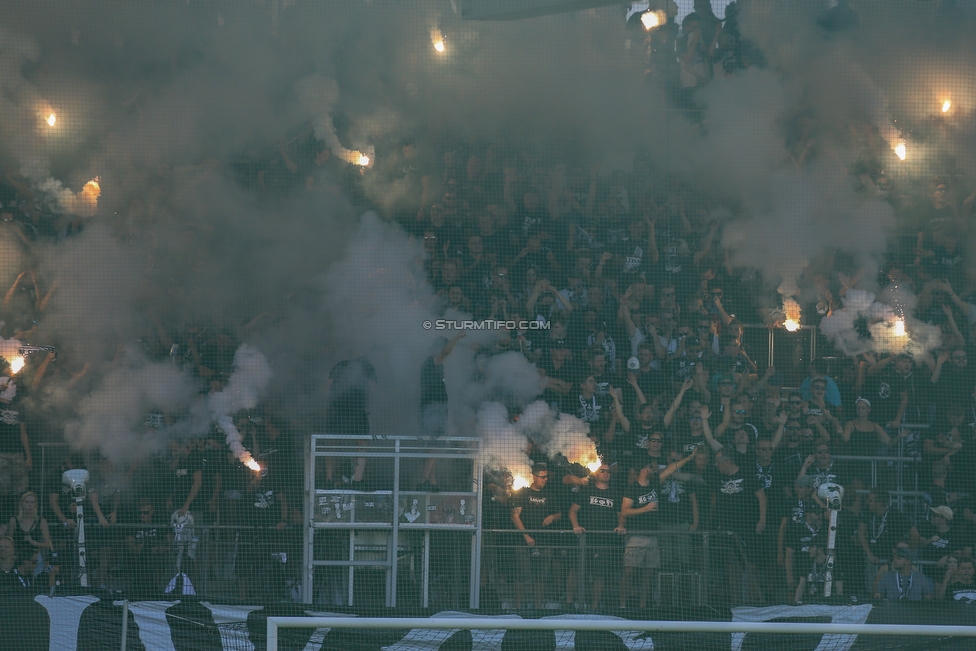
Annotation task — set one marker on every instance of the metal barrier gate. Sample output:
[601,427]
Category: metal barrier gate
[382,528]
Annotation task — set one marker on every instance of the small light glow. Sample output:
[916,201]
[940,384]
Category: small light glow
[520,482]
[900,150]
[51,119]
[899,328]
[437,40]
[16,364]
[946,105]
[791,325]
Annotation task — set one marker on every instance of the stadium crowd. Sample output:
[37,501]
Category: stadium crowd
[643,336]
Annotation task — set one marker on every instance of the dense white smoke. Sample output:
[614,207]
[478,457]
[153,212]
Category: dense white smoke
[891,326]
[558,434]
[244,390]
[113,417]
[503,446]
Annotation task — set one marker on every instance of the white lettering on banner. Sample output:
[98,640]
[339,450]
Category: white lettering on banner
[318,635]
[65,615]
[421,639]
[838,615]
[633,640]
[231,638]
[154,630]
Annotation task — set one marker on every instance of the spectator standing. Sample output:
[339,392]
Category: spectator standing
[433,404]
[146,551]
[16,460]
[535,507]
[350,387]
[596,508]
[640,508]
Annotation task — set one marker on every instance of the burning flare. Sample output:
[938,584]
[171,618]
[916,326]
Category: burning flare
[791,312]
[249,461]
[946,105]
[437,40]
[51,119]
[593,466]
[17,364]
[356,157]
[900,150]
[899,328]
[519,482]
[652,19]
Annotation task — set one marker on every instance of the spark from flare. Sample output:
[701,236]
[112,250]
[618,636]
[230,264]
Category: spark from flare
[52,118]
[946,105]
[900,150]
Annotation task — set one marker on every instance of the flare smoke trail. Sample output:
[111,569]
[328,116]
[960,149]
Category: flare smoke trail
[243,391]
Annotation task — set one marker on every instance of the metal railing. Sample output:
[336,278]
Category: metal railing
[215,558]
[691,552]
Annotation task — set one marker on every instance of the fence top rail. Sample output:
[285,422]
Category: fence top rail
[849,457]
[476,623]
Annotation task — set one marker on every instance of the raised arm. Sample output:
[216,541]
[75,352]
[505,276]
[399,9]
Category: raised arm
[669,415]
[712,443]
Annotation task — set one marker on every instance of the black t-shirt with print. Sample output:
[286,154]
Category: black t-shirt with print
[598,509]
[736,504]
[885,391]
[536,505]
[642,496]
[674,501]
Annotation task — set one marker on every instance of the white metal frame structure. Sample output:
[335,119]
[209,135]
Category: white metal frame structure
[275,623]
[386,534]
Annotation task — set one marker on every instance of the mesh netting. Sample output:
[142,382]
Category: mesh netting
[528,308]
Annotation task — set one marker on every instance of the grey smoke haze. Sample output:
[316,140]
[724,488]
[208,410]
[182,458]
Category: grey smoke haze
[155,98]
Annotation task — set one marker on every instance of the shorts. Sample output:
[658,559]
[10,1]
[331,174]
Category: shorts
[642,552]
[434,421]
[601,559]
[533,562]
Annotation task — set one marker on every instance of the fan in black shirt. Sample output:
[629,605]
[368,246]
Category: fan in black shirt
[533,508]
[597,508]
